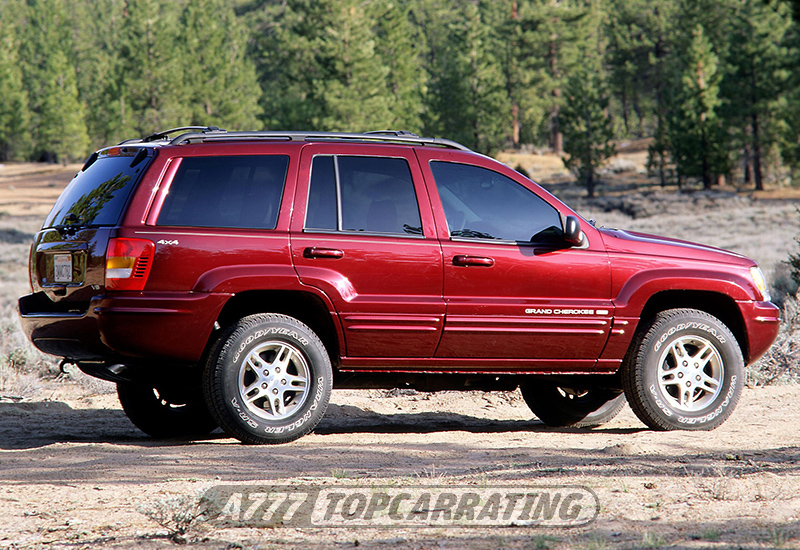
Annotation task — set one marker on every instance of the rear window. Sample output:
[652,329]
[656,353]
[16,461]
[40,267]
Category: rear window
[231,191]
[98,195]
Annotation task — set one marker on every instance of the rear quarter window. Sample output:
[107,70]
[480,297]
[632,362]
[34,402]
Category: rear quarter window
[231,191]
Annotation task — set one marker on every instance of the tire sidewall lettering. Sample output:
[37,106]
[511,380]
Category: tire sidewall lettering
[726,346]
[261,333]
[688,326]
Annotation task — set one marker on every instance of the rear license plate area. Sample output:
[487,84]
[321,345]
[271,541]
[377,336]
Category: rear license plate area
[62,268]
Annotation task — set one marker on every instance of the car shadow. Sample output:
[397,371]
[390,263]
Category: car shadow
[29,425]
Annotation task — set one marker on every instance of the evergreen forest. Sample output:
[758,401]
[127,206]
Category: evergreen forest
[713,84]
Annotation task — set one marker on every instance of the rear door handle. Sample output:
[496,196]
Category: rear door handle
[464,260]
[315,252]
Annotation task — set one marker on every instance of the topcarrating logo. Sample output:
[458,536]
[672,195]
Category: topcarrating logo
[393,506]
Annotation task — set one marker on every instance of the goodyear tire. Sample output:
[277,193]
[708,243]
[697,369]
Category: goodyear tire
[165,412]
[685,372]
[560,406]
[268,379]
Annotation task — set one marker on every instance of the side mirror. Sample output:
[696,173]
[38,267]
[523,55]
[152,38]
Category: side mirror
[572,231]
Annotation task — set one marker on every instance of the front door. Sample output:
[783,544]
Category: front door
[513,289]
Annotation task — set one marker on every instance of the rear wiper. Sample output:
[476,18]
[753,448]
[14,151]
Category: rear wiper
[71,226]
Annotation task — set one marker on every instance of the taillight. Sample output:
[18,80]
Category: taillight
[128,263]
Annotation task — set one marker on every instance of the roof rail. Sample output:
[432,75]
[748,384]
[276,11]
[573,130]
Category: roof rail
[387,136]
[158,136]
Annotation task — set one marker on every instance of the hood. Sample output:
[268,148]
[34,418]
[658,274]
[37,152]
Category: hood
[629,242]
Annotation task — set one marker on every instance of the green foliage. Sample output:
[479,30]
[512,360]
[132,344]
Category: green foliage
[587,127]
[224,88]
[711,81]
[697,139]
[467,87]
[57,121]
[15,138]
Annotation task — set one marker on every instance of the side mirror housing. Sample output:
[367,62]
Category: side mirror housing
[572,231]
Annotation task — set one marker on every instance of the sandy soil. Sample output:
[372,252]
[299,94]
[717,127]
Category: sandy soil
[76,474]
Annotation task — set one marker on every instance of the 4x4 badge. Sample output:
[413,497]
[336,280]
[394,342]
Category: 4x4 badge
[164,241]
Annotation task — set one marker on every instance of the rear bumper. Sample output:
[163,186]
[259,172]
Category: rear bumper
[124,327]
[762,322]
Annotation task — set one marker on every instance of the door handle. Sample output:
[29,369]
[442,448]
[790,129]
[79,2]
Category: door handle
[315,252]
[464,260]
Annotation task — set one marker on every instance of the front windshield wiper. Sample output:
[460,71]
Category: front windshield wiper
[472,233]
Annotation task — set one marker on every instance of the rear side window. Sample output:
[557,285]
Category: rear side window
[232,191]
[98,195]
[369,194]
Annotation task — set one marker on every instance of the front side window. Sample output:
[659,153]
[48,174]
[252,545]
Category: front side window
[232,191]
[482,204]
[369,194]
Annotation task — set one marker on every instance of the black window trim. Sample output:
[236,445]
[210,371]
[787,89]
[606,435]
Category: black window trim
[339,230]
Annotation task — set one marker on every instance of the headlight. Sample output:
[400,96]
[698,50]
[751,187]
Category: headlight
[760,282]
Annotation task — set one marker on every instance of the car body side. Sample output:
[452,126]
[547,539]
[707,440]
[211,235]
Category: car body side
[204,278]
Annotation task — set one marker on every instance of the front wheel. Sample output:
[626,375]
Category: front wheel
[685,372]
[560,406]
[268,379]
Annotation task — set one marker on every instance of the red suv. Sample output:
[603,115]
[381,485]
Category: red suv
[233,279]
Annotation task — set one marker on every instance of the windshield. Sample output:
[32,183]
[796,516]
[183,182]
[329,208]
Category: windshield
[98,194]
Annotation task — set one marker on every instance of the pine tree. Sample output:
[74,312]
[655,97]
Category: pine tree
[467,91]
[59,129]
[400,47]
[354,88]
[150,90]
[320,68]
[587,128]
[756,81]
[698,142]
[222,86]
[15,138]
[97,63]
[555,33]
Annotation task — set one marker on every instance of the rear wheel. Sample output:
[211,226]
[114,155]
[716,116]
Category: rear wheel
[685,372]
[559,406]
[268,379]
[165,412]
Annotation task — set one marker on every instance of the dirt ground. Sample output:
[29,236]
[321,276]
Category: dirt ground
[76,474]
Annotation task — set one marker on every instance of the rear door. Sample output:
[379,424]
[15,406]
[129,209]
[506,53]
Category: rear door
[513,289]
[362,232]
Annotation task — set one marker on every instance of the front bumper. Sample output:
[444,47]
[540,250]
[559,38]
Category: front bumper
[762,322]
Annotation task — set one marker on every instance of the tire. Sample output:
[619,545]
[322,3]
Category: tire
[684,372]
[559,406]
[280,403]
[165,413]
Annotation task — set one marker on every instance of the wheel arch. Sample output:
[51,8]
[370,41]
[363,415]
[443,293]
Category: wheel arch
[306,307]
[719,305]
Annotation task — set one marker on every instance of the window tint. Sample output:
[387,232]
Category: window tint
[322,195]
[482,204]
[375,195]
[98,195]
[233,191]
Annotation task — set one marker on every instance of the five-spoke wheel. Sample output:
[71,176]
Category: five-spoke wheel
[268,379]
[684,371]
